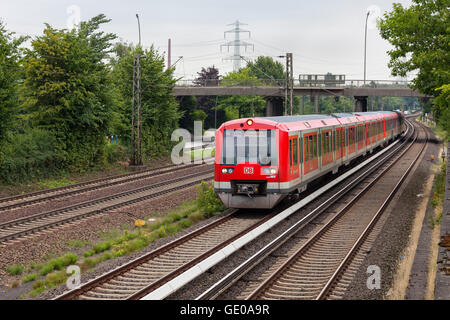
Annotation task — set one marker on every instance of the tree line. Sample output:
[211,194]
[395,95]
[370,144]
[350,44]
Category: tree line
[62,95]
[65,92]
[420,37]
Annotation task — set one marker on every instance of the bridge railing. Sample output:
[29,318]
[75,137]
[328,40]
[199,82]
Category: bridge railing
[297,83]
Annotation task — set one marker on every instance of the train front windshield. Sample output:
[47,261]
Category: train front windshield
[241,146]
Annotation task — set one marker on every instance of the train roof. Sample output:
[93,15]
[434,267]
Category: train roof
[309,117]
[301,118]
[306,122]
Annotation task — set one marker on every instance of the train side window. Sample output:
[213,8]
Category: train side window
[306,141]
[290,153]
[344,140]
[300,148]
[328,140]
[315,146]
[295,148]
[333,148]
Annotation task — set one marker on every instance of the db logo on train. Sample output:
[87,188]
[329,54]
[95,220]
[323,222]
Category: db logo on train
[248,170]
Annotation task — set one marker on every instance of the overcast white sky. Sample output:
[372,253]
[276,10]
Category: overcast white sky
[324,35]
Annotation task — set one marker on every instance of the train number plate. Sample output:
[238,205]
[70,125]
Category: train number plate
[248,170]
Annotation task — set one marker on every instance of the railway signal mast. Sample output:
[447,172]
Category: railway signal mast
[237,43]
[289,87]
[136,143]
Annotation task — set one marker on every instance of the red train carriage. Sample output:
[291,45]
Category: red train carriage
[258,161]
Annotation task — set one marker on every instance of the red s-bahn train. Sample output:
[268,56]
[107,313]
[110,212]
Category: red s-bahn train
[259,161]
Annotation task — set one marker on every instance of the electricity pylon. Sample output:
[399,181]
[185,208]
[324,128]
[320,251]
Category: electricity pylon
[237,43]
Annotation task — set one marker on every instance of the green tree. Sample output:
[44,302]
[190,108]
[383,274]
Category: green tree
[67,89]
[159,109]
[241,106]
[209,77]
[188,108]
[420,36]
[10,56]
[266,68]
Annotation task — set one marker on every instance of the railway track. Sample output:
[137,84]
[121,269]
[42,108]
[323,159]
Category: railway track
[320,265]
[30,225]
[79,188]
[138,277]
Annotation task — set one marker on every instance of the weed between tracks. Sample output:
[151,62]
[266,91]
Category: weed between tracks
[120,242]
[437,201]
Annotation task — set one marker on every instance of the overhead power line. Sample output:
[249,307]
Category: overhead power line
[237,43]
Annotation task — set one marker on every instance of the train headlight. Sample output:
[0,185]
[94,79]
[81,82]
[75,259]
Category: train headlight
[227,170]
[269,171]
[249,122]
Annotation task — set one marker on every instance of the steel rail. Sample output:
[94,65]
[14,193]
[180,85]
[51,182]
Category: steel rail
[62,211]
[299,252]
[353,251]
[249,264]
[157,252]
[94,185]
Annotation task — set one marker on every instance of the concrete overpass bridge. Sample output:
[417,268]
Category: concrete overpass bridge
[274,91]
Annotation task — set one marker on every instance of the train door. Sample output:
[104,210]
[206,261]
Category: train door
[351,139]
[391,127]
[293,157]
[373,132]
[360,136]
[310,153]
[367,134]
[380,130]
[326,147]
[339,143]
[344,143]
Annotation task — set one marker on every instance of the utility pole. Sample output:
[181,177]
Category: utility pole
[365,47]
[169,49]
[237,44]
[289,87]
[136,144]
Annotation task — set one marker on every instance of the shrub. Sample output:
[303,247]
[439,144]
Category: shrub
[88,262]
[15,269]
[207,201]
[58,263]
[115,152]
[103,246]
[39,284]
[30,277]
[107,256]
[46,269]
[172,228]
[185,223]
[55,278]
[30,155]
[89,253]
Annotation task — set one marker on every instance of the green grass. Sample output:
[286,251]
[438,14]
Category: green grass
[102,246]
[118,242]
[56,183]
[15,269]
[78,243]
[29,277]
[439,187]
[55,279]
[58,263]
[438,194]
[202,154]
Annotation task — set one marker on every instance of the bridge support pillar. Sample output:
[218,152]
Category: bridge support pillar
[274,106]
[361,104]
